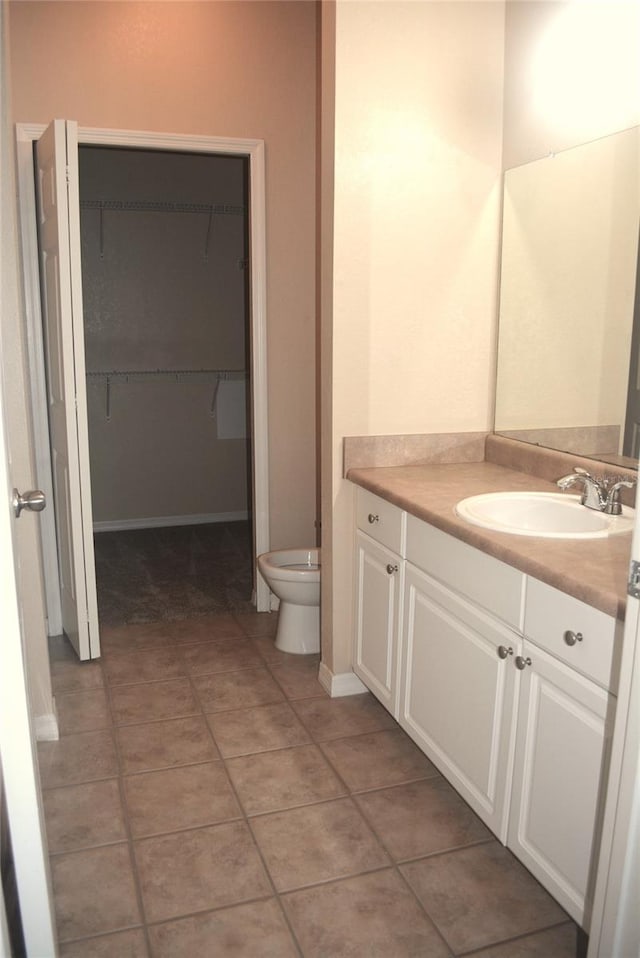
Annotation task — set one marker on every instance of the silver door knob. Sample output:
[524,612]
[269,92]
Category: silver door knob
[34,500]
[392,568]
[571,638]
[521,663]
[503,651]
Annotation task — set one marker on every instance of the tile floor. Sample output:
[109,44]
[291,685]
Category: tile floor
[207,798]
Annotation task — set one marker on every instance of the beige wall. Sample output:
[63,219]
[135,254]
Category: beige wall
[233,69]
[418,125]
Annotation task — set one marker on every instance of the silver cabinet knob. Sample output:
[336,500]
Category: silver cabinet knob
[571,638]
[373,518]
[34,500]
[503,651]
[392,568]
[521,663]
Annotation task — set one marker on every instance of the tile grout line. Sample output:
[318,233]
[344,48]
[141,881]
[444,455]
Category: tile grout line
[319,743]
[127,824]
[275,893]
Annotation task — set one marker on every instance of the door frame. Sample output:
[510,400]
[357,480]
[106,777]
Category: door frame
[26,134]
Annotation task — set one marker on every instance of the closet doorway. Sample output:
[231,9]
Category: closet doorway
[166,330]
[253,153]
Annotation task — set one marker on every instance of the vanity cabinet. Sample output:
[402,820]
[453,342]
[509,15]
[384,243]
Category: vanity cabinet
[507,685]
[562,730]
[566,708]
[380,543]
[458,692]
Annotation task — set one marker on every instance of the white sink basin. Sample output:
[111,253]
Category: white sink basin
[548,514]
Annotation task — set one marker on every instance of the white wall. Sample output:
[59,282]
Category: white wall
[572,74]
[569,264]
[418,126]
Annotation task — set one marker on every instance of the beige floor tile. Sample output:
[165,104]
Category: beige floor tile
[122,944]
[86,757]
[256,930]
[94,892]
[204,628]
[158,745]
[421,818]
[257,623]
[245,731]
[134,638]
[378,759]
[371,916]
[336,718]
[199,870]
[459,892]
[173,698]
[132,668]
[81,816]
[265,644]
[236,690]
[304,846]
[83,711]
[72,675]
[270,781]
[559,942]
[224,655]
[299,681]
[60,649]
[177,798]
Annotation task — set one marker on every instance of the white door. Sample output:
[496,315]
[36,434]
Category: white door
[564,722]
[19,774]
[18,582]
[379,575]
[457,676]
[615,926]
[61,283]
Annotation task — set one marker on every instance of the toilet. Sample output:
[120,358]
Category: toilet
[294,576]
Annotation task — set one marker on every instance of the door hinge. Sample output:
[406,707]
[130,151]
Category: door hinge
[633,586]
[66,173]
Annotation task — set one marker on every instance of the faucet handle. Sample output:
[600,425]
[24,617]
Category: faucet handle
[613,506]
[583,472]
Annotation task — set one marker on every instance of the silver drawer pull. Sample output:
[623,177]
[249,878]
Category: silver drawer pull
[392,568]
[521,663]
[503,651]
[373,518]
[571,638]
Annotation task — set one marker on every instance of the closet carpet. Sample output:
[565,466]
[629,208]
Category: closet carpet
[178,572]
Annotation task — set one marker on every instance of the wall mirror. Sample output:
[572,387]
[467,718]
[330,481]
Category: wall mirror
[568,375]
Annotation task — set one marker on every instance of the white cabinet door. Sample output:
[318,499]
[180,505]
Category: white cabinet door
[59,241]
[563,723]
[379,575]
[457,693]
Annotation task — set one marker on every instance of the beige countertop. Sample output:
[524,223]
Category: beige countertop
[592,570]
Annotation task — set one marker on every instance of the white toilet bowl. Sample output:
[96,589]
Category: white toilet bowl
[294,576]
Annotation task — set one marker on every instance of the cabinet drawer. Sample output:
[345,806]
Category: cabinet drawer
[381,520]
[550,615]
[495,586]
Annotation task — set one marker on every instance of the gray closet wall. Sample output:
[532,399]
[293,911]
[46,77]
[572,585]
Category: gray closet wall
[165,308]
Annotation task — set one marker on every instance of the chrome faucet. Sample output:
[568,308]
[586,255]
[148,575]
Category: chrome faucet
[602,494]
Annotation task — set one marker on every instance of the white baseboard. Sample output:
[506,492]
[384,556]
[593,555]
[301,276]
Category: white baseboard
[45,728]
[159,522]
[344,683]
